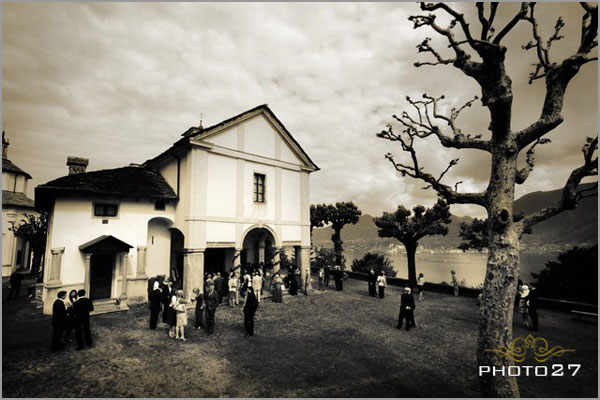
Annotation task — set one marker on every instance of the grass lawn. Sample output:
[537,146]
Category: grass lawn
[330,344]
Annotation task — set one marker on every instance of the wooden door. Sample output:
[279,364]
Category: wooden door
[101,275]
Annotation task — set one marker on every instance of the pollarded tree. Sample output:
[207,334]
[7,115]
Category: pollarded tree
[504,147]
[341,214]
[318,216]
[410,229]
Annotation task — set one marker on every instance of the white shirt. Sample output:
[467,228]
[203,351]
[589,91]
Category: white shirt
[257,282]
[381,281]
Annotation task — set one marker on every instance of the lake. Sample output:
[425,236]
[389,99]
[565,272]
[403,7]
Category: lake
[469,267]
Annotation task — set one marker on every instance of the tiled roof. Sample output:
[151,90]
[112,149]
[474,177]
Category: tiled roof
[16,199]
[132,181]
[8,166]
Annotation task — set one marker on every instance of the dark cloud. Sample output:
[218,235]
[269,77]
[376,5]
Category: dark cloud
[119,82]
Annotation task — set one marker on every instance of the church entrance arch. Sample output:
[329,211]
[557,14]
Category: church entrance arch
[258,246]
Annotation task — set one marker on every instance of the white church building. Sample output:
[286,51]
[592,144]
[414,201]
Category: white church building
[219,197]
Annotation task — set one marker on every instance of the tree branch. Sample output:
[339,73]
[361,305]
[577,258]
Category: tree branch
[511,24]
[523,174]
[571,193]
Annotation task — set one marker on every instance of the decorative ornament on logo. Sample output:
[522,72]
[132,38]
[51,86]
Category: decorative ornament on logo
[541,350]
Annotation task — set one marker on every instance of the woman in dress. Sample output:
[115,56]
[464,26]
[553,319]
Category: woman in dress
[277,291]
[181,316]
[172,314]
[232,284]
[71,321]
[420,284]
[381,282]
[155,299]
[249,310]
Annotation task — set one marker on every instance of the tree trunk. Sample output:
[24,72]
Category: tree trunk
[337,246]
[500,285]
[411,249]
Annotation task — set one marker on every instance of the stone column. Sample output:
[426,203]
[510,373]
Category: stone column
[236,258]
[193,271]
[87,257]
[141,262]
[55,266]
[276,260]
[122,257]
[305,264]
[261,251]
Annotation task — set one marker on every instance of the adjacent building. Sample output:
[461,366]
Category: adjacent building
[219,197]
[15,203]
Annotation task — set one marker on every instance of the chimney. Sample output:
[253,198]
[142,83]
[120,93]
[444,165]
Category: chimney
[77,165]
[4,146]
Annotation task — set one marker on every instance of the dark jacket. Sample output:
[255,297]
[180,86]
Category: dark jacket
[16,278]
[166,295]
[155,299]
[82,308]
[211,301]
[219,284]
[406,300]
[372,279]
[251,304]
[59,313]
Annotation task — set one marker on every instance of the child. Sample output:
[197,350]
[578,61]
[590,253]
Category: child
[181,318]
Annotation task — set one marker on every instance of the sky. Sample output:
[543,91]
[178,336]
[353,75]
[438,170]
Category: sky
[118,83]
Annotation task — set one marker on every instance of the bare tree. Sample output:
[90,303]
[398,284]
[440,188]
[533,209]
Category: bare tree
[503,227]
[410,229]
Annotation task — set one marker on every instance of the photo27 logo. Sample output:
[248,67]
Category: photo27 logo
[542,352]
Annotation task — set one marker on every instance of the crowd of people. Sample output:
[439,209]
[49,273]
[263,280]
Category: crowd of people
[70,314]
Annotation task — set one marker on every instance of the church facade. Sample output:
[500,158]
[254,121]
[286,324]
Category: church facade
[219,197]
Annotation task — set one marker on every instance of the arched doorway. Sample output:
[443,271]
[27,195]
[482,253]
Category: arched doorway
[258,246]
[176,263]
[158,247]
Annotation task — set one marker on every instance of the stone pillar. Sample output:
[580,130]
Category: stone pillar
[55,266]
[261,251]
[193,271]
[87,257]
[236,258]
[141,262]
[122,257]
[276,260]
[305,264]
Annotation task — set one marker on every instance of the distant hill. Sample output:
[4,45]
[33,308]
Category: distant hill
[574,227]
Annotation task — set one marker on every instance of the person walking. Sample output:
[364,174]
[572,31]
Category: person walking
[15,283]
[420,285]
[407,308]
[83,306]
[256,285]
[372,282]
[249,310]
[59,318]
[381,282]
[155,300]
[211,301]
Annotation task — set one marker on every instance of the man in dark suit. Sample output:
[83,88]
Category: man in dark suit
[532,305]
[59,318]
[82,308]
[15,284]
[407,307]
[166,298]
[219,284]
[211,300]
[249,310]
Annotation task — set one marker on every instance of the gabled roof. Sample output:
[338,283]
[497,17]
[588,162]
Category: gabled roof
[105,244]
[132,181]
[8,166]
[200,133]
[16,199]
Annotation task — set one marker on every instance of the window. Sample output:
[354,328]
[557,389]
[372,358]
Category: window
[160,205]
[105,210]
[259,188]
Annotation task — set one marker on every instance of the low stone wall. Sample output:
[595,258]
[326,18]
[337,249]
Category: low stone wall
[550,304]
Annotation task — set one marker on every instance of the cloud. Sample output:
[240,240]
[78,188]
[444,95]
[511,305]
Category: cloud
[119,83]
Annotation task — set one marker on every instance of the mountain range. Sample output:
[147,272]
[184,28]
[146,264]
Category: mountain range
[565,230]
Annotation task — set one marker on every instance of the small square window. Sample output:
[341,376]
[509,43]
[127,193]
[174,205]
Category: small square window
[160,205]
[259,188]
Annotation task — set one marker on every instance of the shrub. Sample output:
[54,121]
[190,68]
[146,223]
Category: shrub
[377,262]
[325,257]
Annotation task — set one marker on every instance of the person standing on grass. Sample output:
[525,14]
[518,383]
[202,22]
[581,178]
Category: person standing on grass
[256,285]
[232,286]
[181,316]
[199,312]
[381,282]
[321,278]
[15,283]
[277,289]
[407,308]
[155,299]
[83,307]
[307,280]
[327,273]
[211,301]
[166,299]
[59,318]
[420,285]
[338,276]
[172,315]
[71,322]
[532,307]
[372,282]
[249,310]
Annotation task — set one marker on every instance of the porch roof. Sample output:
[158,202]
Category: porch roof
[105,244]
